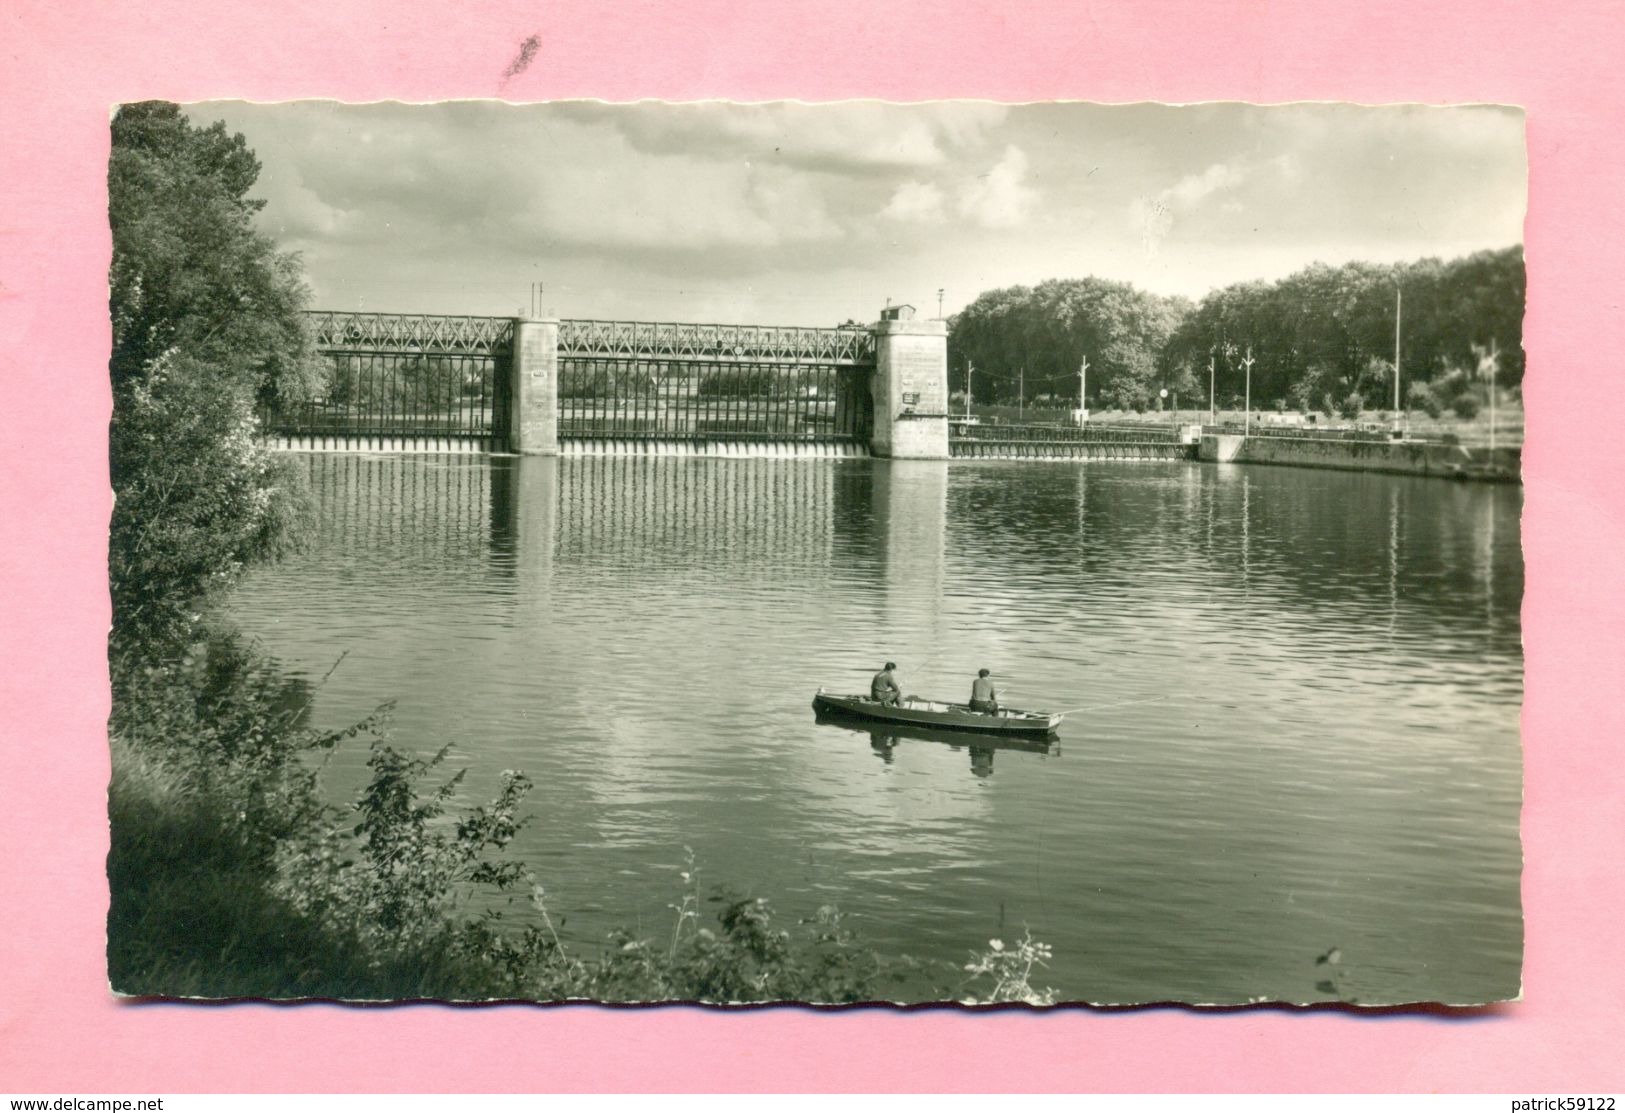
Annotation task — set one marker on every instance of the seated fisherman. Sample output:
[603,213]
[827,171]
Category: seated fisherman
[884,687]
[982,695]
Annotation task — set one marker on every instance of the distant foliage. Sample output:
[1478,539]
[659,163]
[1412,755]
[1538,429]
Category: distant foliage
[405,384]
[1045,329]
[1465,405]
[1315,337]
[1332,328]
[738,382]
[596,380]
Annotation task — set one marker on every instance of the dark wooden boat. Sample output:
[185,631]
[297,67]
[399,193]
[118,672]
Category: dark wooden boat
[943,716]
[891,734]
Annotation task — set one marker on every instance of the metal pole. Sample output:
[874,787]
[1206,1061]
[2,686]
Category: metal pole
[939,304]
[969,369]
[1495,359]
[1212,414]
[1083,387]
[1021,395]
[1399,302]
[1247,402]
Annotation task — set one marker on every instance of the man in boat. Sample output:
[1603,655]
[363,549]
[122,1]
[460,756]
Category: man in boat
[884,687]
[983,697]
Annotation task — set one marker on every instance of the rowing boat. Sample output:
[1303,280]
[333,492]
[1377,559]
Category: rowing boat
[949,716]
[890,734]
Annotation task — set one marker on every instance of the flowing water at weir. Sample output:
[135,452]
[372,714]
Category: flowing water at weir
[1321,749]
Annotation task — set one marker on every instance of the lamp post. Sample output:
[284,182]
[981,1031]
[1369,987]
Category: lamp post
[1247,403]
[1083,390]
[1399,304]
[1212,413]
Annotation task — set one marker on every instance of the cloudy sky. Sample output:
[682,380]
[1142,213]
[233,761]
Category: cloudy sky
[812,214]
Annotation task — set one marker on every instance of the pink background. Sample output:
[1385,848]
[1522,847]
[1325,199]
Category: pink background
[63,63]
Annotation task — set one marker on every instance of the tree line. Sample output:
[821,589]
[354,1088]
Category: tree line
[1319,339]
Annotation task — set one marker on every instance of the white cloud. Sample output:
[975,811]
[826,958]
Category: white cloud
[852,137]
[1192,189]
[1000,198]
[679,204]
[1154,216]
[916,203]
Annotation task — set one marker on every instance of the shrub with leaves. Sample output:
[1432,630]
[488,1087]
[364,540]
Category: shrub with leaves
[1465,406]
[1422,397]
[1010,970]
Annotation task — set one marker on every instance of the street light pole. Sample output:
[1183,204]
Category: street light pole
[1083,389]
[1399,304]
[939,304]
[1247,411]
[1212,414]
[970,368]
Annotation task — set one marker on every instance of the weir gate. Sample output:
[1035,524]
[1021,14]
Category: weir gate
[427,383]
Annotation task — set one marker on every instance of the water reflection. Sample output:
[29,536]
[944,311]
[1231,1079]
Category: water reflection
[1333,757]
[884,739]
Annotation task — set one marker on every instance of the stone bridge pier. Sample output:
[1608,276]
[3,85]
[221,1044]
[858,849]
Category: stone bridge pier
[910,387]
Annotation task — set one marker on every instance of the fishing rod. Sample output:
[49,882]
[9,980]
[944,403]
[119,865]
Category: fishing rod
[1119,703]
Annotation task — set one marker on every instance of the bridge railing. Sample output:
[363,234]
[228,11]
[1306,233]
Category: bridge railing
[654,340]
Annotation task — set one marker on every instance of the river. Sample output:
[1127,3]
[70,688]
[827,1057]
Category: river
[1305,690]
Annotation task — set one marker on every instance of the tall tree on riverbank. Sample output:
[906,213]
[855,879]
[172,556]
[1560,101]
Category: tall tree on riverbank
[206,317]
[1038,335]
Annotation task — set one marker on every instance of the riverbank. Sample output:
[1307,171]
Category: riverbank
[1506,431]
[1502,465]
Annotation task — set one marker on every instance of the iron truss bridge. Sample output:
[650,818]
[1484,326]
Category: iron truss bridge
[398,332]
[640,340]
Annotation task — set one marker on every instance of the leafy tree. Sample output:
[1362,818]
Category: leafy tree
[1040,334]
[1330,330]
[206,324]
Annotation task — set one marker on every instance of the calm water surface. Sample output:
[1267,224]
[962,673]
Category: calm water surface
[1317,678]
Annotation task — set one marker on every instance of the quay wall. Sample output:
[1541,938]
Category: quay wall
[1390,457]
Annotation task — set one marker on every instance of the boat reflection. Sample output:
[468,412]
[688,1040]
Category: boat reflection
[884,739]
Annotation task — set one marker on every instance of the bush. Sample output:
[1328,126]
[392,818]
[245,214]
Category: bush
[1351,406]
[1422,397]
[1451,385]
[1465,406]
[1010,971]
